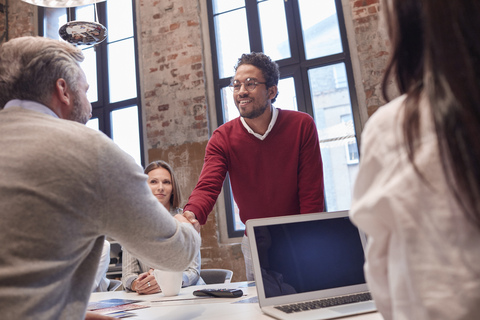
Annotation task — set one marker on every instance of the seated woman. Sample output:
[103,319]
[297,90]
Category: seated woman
[136,276]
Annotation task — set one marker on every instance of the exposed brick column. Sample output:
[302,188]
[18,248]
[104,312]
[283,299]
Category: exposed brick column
[372,47]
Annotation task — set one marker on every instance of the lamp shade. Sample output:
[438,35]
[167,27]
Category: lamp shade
[83,32]
[61,3]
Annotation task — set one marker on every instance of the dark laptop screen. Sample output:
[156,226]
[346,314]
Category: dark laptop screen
[308,256]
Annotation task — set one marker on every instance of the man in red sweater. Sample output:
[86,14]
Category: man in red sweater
[272,155]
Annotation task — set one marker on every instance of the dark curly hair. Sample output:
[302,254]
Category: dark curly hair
[269,68]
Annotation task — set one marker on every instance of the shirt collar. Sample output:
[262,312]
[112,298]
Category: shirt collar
[30,105]
[270,126]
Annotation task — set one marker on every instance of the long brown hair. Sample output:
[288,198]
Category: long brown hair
[176,197]
[436,54]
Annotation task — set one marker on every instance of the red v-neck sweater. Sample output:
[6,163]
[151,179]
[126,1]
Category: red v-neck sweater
[281,175]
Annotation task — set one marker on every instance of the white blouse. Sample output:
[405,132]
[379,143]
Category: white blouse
[423,256]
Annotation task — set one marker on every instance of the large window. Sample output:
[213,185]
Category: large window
[308,40]
[111,69]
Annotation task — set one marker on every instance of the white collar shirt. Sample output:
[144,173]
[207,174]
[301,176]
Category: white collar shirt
[30,105]
[270,125]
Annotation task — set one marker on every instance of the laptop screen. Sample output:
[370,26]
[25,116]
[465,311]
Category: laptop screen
[306,256]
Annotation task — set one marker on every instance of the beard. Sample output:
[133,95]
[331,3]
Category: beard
[78,114]
[255,113]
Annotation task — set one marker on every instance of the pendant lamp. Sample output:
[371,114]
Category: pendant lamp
[77,32]
[61,3]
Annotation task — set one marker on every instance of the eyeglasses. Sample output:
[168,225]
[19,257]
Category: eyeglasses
[250,84]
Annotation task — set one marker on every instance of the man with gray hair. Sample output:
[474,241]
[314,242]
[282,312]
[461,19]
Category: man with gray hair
[65,186]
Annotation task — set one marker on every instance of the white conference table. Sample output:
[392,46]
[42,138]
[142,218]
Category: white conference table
[186,306]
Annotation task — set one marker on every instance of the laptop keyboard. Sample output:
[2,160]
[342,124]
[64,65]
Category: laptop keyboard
[325,303]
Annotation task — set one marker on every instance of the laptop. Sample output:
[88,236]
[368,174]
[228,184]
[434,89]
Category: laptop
[309,266]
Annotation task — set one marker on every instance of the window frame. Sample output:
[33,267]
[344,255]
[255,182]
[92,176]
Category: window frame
[297,66]
[102,108]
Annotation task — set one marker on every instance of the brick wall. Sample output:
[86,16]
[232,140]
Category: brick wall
[372,47]
[173,76]
[20,20]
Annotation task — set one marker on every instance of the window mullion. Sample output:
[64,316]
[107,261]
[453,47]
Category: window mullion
[303,89]
[102,73]
[71,14]
[254,34]
[349,70]
[139,89]
[294,30]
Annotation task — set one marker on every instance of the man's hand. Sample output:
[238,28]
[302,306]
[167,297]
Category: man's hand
[190,217]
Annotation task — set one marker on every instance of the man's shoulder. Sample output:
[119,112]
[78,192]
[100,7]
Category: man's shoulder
[229,126]
[53,128]
[293,118]
[225,135]
[76,130]
[293,114]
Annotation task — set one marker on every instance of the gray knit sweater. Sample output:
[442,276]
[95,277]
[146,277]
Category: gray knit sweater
[63,187]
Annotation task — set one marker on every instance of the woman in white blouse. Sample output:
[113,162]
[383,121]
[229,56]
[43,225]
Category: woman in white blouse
[417,193]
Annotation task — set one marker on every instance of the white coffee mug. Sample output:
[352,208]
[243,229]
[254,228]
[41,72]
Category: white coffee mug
[170,282]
